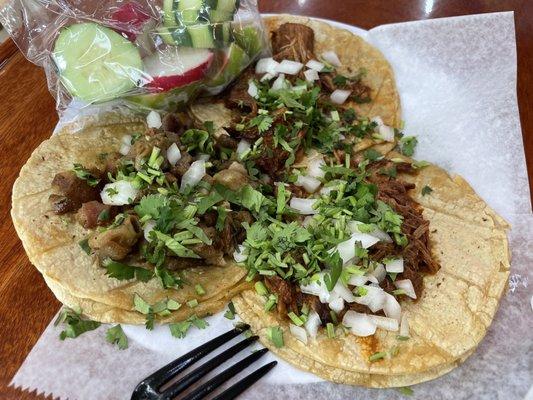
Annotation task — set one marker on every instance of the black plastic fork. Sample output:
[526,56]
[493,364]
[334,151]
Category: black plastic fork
[152,387]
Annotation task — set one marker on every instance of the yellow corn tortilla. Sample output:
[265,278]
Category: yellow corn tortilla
[355,53]
[51,241]
[450,319]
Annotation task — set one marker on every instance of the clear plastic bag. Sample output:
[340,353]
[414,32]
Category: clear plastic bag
[153,55]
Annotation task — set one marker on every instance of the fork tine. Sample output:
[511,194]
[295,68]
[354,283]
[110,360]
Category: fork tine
[198,373]
[215,382]
[163,375]
[245,383]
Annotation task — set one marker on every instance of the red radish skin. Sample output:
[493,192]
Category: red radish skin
[130,18]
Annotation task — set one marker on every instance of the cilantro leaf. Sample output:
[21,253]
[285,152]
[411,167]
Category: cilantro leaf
[407,145]
[84,174]
[426,190]
[84,244]
[151,205]
[334,262]
[116,335]
[75,324]
[275,334]
[230,313]
[406,391]
[167,279]
[372,154]
[198,139]
[122,272]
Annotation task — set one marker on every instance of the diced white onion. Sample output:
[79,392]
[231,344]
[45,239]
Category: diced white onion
[374,299]
[148,227]
[359,324]
[358,280]
[239,255]
[347,248]
[311,75]
[343,292]
[337,304]
[314,167]
[266,65]
[377,120]
[203,157]
[315,65]
[392,308]
[173,154]
[312,323]
[379,272]
[317,288]
[389,324]
[126,139]
[194,174]
[309,183]
[303,206]
[266,77]
[407,286]
[386,132]
[243,147]
[153,120]
[381,235]
[119,193]
[332,58]
[404,325]
[339,96]
[289,67]
[394,265]
[279,83]
[252,89]
[299,333]
[124,149]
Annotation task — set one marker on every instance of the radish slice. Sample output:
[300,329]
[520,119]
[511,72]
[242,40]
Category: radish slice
[374,299]
[173,154]
[239,255]
[314,168]
[312,323]
[315,65]
[389,324]
[332,58]
[148,227]
[303,206]
[252,89]
[298,332]
[339,96]
[407,286]
[130,17]
[194,174]
[337,305]
[359,324]
[311,75]
[266,65]
[153,120]
[243,147]
[394,266]
[392,308]
[379,272]
[309,183]
[279,83]
[404,325]
[119,193]
[289,67]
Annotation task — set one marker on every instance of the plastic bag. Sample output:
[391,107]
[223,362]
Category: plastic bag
[153,55]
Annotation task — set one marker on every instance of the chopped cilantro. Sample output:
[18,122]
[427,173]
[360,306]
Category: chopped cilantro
[121,271]
[377,356]
[116,335]
[230,313]
[104,215]
[75,324]
[179,330]
[340,80]
[406,391]
[192,303]
[426,190]
[260,288]
[275,335]
[84,244]
[199,289]
[407,145]
[330,329]
[84,174]
[372,155]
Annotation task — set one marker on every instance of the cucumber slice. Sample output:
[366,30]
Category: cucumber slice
[249,38]
[200,36]
[220,15]
[190,17]
[223,5]
[235,59]
[180,5]
[169,18]
[96,63]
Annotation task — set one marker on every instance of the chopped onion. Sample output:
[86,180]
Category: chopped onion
[194,174]
[279,83]
[315,65]
[312,323]
[311,75]
[377,120]
[148,227]
[339,96]
[404,325]
[124,149]
[317,288]
[309,183]
[314,167]
[243,147]
[307,221]
[337,304]
[289,67]
[395,265]
[373,279]
[407,286]
[119,193]
[303,206]
[379,272]
[239,255]
[252,89]
[343,292]
[389,324]
[266,77]
[173,154]
[386,132]
[203,157]
[358,280]
[392,308]
[374,299]
[332,58]
[299,333]
[266,65]
[153,119]
[381,235]
[359,324]
[347,248]
[126,139]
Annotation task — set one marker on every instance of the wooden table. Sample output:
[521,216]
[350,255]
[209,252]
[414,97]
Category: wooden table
[27,116]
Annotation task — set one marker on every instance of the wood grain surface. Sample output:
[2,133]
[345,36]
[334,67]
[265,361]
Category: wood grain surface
[27,116]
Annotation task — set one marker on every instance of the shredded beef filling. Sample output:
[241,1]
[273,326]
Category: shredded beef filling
[294,42]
